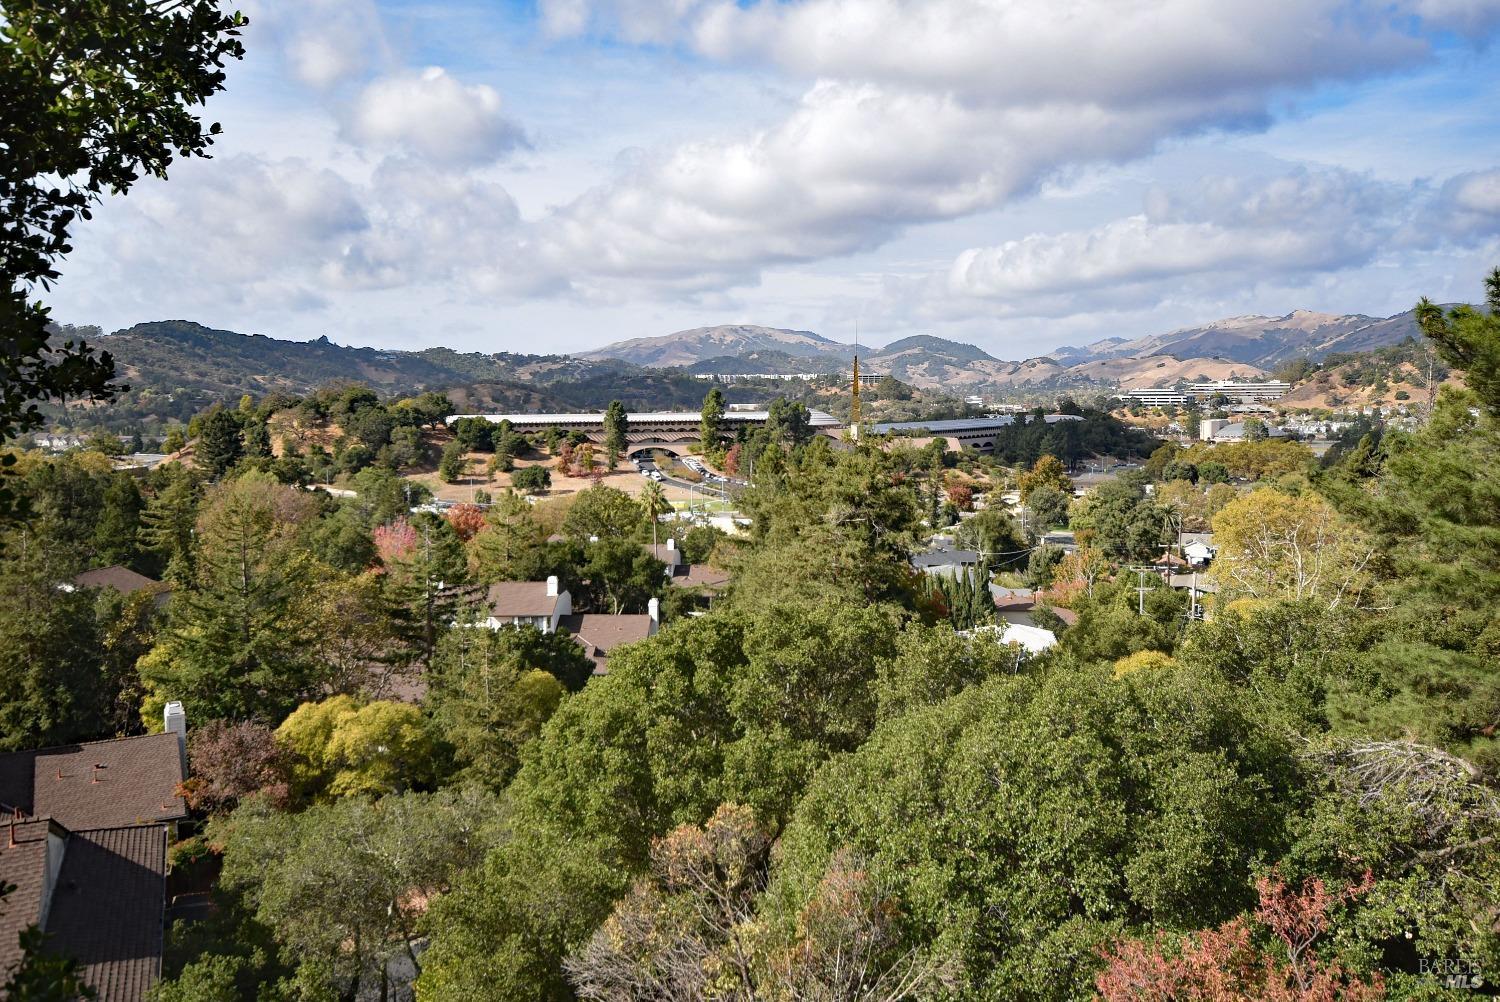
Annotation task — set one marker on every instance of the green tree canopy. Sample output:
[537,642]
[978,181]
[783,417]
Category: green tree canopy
[1085,804]
[94,96]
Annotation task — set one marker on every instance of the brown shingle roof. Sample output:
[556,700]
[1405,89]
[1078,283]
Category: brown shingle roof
[121,579]
[701,576]
[23,867]
[106,903]
[107,908]
[520,598]
[97,784]
[599,634]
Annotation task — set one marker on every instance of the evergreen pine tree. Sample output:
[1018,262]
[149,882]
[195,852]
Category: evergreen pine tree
[616,429]
[711,429]
[167,526]
[219,443]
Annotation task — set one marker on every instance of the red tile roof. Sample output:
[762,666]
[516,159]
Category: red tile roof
[97,784]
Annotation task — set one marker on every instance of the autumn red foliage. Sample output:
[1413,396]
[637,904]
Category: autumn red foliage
[1225,964]
[467,520]
[395,541]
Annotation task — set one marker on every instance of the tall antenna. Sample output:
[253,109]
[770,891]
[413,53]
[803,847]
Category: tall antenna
[854,389]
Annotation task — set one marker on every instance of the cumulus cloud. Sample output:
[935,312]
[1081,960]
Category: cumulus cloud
[927,110]
[635,21]
[1010,51]
[433,115]
[849,168]
[1469,204]
[1226,231]
[292,234]
[323,43]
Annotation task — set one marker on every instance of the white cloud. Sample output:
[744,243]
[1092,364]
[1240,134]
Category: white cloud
[1477,193]
[635,21]
[849,168]
[1115,52]
[322,43]
[1224,232]
[433,115]
[929,110]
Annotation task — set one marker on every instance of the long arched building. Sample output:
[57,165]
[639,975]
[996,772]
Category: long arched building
[673,431]
[977,433]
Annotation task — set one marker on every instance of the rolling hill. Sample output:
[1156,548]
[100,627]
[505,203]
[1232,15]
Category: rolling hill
[1236,347]
[176,368]
[684,348]
[1261,341]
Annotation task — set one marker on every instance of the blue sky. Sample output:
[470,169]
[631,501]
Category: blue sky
[1018,174]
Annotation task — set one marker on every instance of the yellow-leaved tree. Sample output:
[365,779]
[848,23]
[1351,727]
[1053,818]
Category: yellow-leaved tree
[1273,545]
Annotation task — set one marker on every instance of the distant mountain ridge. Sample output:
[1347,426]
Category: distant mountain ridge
[684,348]
[176,368]
[1235,347]
[1258,340]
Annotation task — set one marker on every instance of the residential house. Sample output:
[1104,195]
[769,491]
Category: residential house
[668,554]
[547,607]
[1199,554]
[123,580]
[526,603]
[681,574]
[84,845]
[601,634]
[950,562]
[1032,639]
[1017,606]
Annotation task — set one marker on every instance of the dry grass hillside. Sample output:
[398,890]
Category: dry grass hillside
[1344,387]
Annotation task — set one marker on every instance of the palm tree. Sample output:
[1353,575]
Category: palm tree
[654,501]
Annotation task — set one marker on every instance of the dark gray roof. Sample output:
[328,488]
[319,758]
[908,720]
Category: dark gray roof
[23,868]
[599,634]
[944,558]
[669,555]
[105,906]
[521,598]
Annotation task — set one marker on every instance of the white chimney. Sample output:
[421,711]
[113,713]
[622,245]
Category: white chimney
[552,586]
[174,720]
[653,610]
[671,543]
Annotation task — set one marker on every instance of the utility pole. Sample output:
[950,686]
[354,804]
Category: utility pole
[1141,589]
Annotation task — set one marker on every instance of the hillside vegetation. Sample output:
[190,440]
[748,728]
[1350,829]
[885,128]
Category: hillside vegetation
[175,369]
